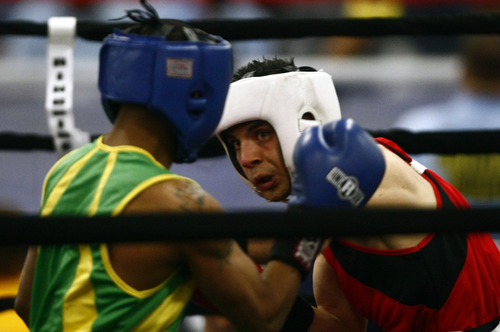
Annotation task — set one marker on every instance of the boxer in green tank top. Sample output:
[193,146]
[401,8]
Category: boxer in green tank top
[163,85]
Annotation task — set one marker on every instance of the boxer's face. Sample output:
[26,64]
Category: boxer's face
[258,153]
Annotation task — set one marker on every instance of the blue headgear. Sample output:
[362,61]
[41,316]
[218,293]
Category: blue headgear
[186,82]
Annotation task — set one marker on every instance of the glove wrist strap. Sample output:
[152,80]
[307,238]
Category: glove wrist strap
[299,253]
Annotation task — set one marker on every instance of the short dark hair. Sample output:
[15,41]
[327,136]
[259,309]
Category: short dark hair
[257,68]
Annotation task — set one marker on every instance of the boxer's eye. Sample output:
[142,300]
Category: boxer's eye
[233,143]
[263,134]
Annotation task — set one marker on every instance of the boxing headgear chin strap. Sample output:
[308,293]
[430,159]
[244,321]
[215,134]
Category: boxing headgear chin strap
[186,82]
[281,100]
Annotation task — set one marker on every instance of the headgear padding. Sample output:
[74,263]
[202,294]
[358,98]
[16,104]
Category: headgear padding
[281,100]
[186,82]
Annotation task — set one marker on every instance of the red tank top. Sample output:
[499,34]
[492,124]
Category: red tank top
[449,282]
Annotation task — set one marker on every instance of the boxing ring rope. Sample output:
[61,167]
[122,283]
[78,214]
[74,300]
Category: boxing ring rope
[276,28]
[57,230]
[437,142]
[21,230]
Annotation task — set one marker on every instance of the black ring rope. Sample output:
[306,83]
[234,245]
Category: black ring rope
[438,142]
[284,28]
[444,142]
[22,230]
[6,303]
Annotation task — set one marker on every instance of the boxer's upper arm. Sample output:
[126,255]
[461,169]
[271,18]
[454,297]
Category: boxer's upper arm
[334,312]
[23,299]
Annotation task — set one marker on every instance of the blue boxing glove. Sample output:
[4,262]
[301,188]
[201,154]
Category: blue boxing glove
[336,165]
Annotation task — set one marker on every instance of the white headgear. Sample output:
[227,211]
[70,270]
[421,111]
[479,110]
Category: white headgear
[281,100]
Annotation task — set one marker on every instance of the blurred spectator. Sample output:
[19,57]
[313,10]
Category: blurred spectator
[438,45]
[476,105]
[345,46]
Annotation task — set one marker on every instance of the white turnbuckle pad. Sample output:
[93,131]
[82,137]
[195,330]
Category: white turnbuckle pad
[59,93]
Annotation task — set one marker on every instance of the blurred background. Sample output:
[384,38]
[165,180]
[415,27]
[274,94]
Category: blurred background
[377,79]
[417,83]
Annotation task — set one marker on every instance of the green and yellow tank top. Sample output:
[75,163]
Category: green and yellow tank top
[75,287]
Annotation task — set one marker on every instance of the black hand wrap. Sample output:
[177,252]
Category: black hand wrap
[299,253]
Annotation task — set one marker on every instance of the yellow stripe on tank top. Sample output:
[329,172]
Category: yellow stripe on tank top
[79,311]
[52,169]
[110,164]
[146,184]
[64,182]
[168,312]
[140,294]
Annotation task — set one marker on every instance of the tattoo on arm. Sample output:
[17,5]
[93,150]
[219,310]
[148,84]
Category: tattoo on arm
[191,196]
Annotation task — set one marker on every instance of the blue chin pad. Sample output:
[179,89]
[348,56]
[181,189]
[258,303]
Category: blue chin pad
[336,165]
[185,82]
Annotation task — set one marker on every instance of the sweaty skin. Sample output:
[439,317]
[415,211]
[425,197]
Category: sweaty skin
[258,152]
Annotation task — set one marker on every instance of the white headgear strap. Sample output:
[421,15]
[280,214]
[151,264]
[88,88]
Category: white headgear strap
[282,100]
